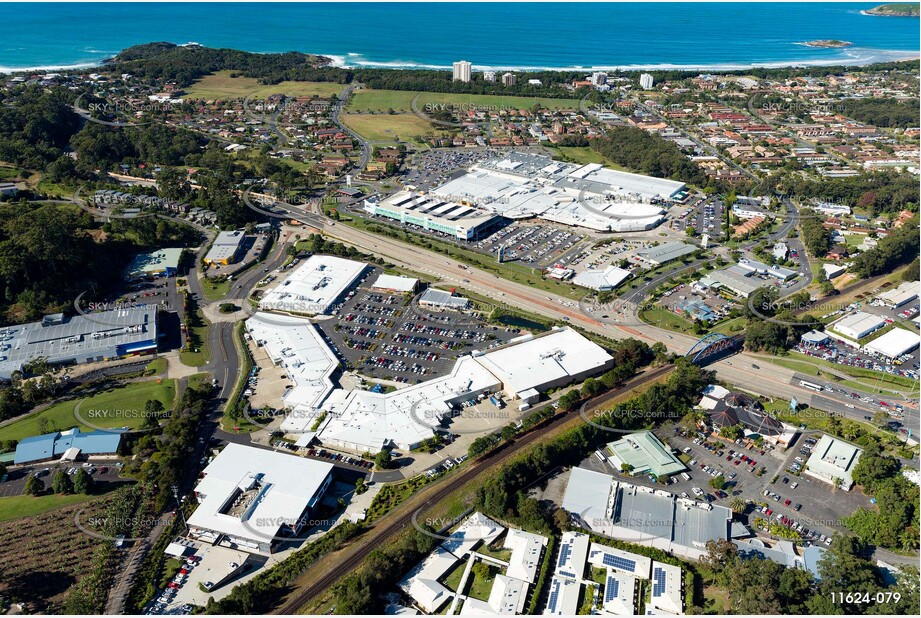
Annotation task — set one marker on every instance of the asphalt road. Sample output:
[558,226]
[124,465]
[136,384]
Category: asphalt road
[767,379]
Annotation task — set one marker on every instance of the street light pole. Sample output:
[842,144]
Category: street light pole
[175,489]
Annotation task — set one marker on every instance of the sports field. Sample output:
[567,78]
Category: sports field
[401,101]
[119,406]
[389,127]
[221,85]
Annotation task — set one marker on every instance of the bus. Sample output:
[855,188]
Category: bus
[811,385]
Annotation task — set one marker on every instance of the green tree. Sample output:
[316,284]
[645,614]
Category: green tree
[34,486]
[383,460]
[83,482]
[61,484]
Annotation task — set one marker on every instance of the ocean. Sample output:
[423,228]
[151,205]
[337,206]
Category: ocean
[501,36]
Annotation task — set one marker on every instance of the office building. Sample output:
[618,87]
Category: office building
[433,213]
[226,248]
[252,498]
[833,461]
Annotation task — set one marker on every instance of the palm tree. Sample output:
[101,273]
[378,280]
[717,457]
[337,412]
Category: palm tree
[738,505]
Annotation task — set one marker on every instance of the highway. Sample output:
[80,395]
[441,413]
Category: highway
[768,379]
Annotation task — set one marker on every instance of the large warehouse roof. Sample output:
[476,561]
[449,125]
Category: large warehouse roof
[588,494]
[897,297]
[520,185]
[602,280]
[225,246]
[562,355]
[159,262]
[51,445]
[660,254]
[858,325]
[250,493]
[295,345]
[81,339]
[894,343]
[370,421]
[315,285]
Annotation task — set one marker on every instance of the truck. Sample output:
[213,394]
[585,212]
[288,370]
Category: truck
[497,402]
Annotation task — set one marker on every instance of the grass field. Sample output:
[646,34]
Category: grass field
[585,155]
[388,127]
[129,399]
[15,507]
[401,101]
[221,85]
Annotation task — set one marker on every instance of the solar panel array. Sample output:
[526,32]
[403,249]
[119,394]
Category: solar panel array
[619,563]
[565,552]
[611,589]
[554,596]
[658,582]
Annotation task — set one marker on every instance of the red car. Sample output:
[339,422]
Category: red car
[786,502]
[736,462]
[172,585]
[769,512]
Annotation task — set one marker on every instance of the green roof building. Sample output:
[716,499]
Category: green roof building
[645,453]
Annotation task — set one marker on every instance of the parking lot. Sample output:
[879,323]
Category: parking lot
[820,507]
[102,470]
[536,245]
[703,305]
[388,336]
[840,353]
[434,167]
[817,513]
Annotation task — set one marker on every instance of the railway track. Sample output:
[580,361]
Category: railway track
[392,524]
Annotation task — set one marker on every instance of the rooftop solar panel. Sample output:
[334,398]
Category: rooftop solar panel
[619,563]
[611,589]
[658,582]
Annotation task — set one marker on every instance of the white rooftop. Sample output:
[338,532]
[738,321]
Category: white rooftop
[545,360]
[295,345]
[894,343]
[666,589]
[564,597]
[833,459]
[527,549]
[506,597]
[604,280]
[281,488]
[369,421]
[622,561]
[520,185]
[314,286]
[395,283]
[858,324]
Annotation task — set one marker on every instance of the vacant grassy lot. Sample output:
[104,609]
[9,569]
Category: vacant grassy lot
[15,507]
[585,155]
[388,127]
[44,553]
[221,85]
[400,100]
[129,397]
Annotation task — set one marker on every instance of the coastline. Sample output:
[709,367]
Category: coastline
[850,56]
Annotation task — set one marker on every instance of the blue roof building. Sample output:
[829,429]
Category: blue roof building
[51,445]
